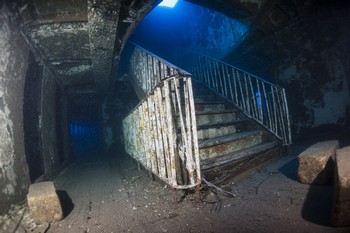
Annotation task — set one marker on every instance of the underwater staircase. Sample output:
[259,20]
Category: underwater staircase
[229,142]
[215,122]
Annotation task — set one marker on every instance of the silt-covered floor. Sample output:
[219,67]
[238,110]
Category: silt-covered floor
[113,195]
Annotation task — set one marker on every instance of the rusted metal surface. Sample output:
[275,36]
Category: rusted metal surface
[161,132]
[257,98]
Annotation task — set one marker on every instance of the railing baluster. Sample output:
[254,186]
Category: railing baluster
[205,69]
[225,77]
[269,123]
[235,78]
[260,102]
[288,139]
[159,139]
[188,154]
[247,97]
[218,77]
[170,134]
[280,114]
[274,108]
[229,77]
[242,99]
[253,96]
[152,134]
[196,164]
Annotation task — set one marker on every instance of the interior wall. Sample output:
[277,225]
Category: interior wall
[48,124]
[85,130]
[31,121]
[189,26]
[14,52]
[63,124]
[310,58]
[114,109]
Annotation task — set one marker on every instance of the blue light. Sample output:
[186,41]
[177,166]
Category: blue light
[168,3]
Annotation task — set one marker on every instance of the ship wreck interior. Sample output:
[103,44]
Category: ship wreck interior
[175,116]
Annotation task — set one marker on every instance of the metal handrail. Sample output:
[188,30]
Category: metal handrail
[257,98]
[160,133]
[148,70]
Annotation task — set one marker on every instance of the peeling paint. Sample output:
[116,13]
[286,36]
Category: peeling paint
[8,189]
[7,156]
[51,30]
[75,70]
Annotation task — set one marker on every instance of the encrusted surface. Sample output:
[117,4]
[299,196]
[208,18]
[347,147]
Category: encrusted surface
[316,162]
[341,208]
[43,202]
[14,178]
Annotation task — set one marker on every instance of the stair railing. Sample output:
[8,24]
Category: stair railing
[257,98]
[160,132]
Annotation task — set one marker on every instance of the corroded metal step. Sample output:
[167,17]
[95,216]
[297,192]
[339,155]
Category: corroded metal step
[219,171]
[244,121]
[221,129]
[223,145]
[209,97]
[226,159]
[229,142]
[209,107]
[224,116]
[214,132]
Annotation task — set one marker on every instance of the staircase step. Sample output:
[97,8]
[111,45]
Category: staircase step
[209,107]
[222,169]
[208,98]
[211,148]
[224,116]
[224,160]
[199,87]
[229,142]
[213,132]
[218,125]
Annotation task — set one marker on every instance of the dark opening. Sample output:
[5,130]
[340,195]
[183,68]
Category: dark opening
[189,26]
[59,128]
[31,119]
[84,131]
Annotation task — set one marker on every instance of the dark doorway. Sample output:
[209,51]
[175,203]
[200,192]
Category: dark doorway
[31,121]
[59,126]
[84,127]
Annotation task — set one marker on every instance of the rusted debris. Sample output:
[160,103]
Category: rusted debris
[218,189]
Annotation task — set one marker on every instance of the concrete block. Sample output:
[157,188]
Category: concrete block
[43,202]
[316,163]
[341,207]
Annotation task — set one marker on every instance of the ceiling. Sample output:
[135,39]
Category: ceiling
[80,41]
